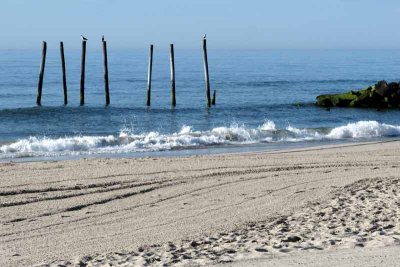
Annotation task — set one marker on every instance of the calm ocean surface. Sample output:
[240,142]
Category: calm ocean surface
[263,99]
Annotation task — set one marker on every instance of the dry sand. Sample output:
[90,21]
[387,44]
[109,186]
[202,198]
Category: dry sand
[366,257]
[202,209]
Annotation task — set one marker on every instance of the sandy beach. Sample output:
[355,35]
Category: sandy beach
[272,209]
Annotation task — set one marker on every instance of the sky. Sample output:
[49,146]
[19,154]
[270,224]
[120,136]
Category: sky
[229,24]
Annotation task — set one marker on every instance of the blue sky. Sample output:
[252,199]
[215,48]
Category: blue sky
[230,24]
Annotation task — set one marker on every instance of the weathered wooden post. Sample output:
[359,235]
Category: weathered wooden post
[149,76]
[106,88]
[41,74]
[64,76]
[83,59]
[213,99]
[206,76]
[172,62]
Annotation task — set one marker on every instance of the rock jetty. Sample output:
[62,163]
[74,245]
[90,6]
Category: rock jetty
[380,95]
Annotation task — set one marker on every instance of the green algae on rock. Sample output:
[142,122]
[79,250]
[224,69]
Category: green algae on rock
[380,95]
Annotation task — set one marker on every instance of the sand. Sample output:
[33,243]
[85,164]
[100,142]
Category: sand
[202,210]
[366,257]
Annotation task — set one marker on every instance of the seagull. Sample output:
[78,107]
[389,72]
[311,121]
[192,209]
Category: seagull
[204,36]
[102,38]
[83,38]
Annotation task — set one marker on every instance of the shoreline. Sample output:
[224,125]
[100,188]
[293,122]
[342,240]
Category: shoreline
[204,151]
[187,141]
[65,210]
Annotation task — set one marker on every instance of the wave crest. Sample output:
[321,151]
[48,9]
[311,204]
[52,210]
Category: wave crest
[127,141]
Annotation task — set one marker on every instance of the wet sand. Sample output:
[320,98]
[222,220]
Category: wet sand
[200,210]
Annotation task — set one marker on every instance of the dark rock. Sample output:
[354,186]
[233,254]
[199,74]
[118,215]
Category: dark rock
[390,226]
[381,95]
[393,87]
[230,251]
[169,247]
[281,221]
[261,250]
[195,243]
[382,88]
[292,238]
[284,229]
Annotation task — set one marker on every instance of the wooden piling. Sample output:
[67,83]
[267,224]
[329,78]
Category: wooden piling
[172,63]
[64,76]
[149,76]
[41,74]
[106,88]
[213,99]
[83,59]
[206,75]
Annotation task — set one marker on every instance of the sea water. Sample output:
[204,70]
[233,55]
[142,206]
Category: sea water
[264,100]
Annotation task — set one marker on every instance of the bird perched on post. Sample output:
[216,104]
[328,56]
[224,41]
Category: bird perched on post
[204,36]
[83,38]
[102,38]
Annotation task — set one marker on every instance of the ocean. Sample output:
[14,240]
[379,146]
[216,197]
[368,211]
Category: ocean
[264,101]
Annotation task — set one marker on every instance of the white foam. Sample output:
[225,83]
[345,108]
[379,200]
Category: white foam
[364,129]
[268,126]
[127,141]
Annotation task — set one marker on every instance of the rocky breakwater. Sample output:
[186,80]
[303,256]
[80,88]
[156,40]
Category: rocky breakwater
[380,95]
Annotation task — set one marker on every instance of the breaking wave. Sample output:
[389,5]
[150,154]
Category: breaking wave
[127,141]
